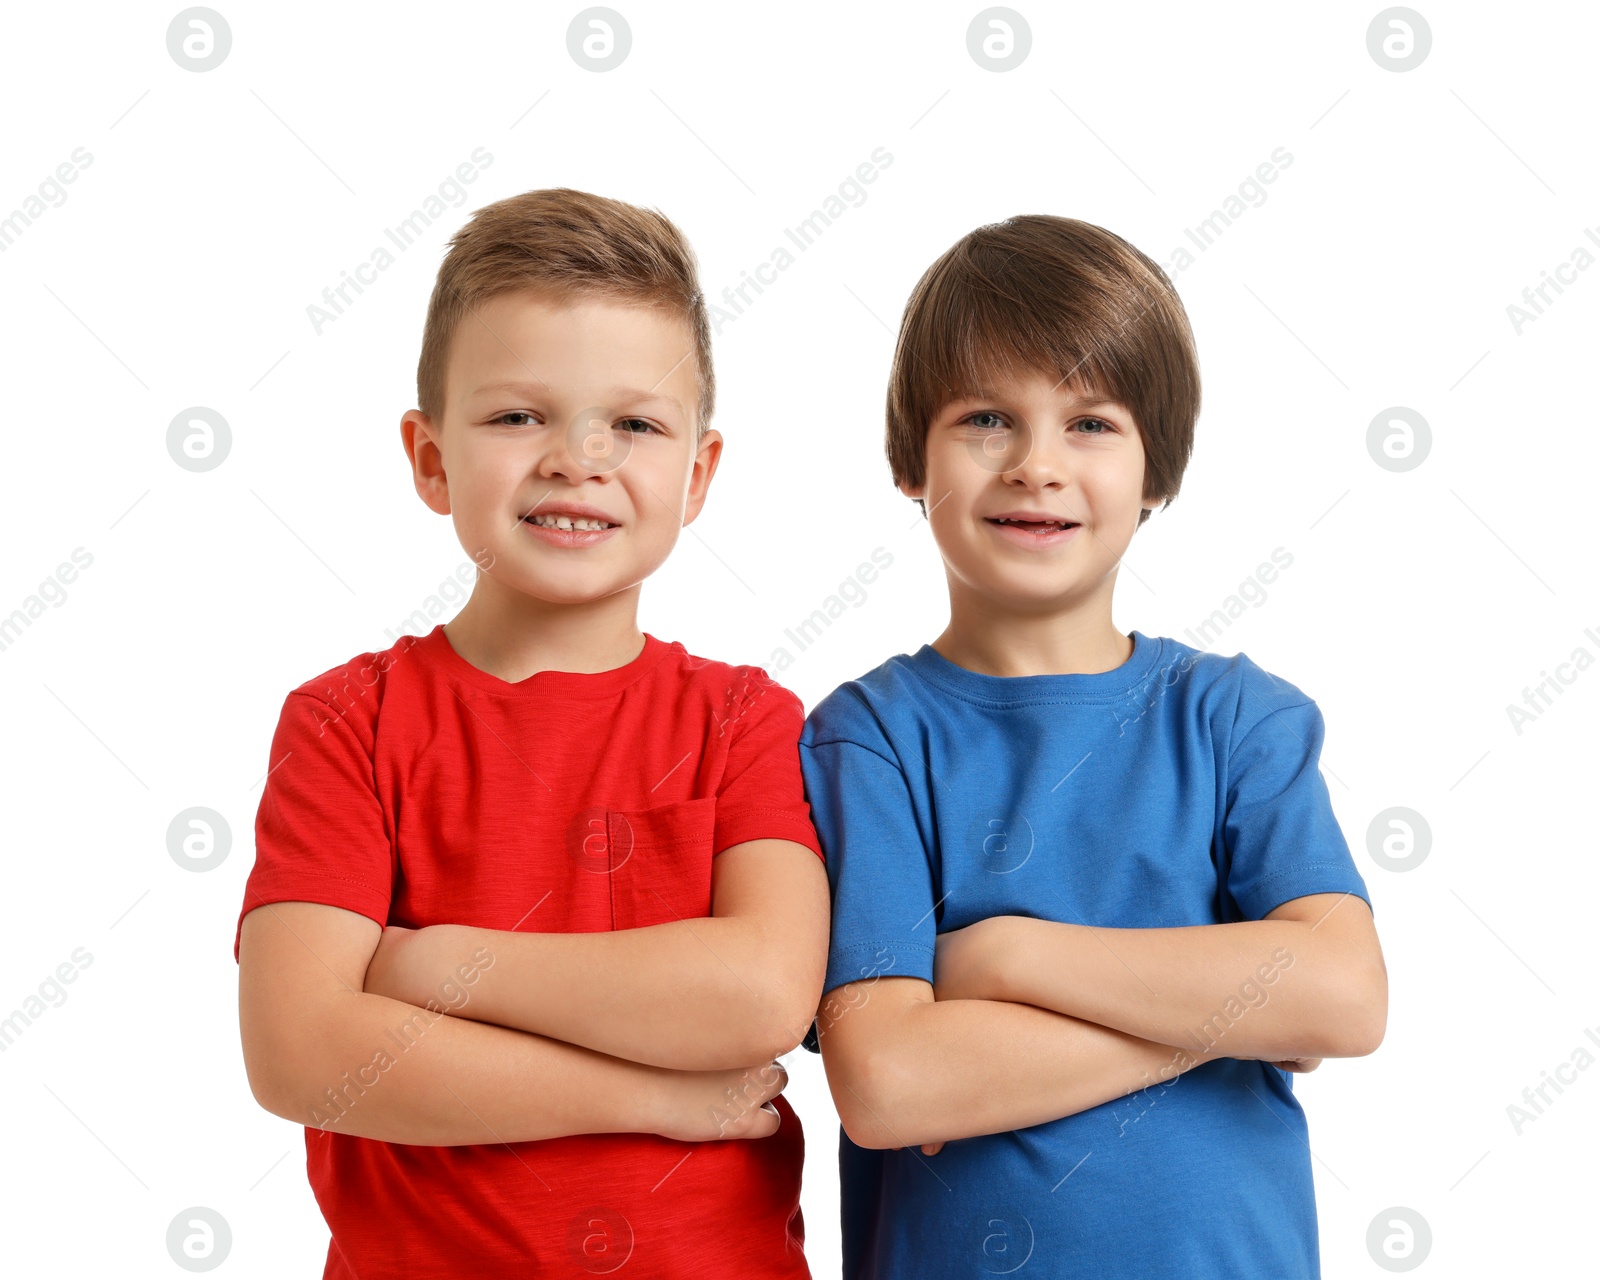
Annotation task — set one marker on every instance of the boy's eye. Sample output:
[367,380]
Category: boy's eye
[634,425]
[987,420]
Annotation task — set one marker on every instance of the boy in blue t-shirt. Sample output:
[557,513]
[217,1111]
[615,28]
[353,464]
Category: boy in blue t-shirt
[1091,906]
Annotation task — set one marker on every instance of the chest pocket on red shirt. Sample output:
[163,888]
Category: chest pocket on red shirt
[660,861]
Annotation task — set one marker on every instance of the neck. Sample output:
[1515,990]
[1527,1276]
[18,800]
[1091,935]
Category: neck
[513,636]
[986,637]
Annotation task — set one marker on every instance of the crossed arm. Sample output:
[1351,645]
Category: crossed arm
[728,990]
[1308,981]
[1028,1020]
[338,1036]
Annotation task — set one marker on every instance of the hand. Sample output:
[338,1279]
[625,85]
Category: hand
[964,961]
[709,1106]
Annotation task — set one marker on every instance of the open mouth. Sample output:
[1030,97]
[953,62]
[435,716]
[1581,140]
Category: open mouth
[1036,526]
[570,524]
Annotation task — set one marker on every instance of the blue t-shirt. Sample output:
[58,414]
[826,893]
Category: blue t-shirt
[1181,788]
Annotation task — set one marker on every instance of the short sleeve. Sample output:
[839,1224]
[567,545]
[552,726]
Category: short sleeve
[1281,838]
[878,864]
[762,796]
[321,834]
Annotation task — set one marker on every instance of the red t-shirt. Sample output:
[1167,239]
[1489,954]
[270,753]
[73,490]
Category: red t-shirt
[417,789]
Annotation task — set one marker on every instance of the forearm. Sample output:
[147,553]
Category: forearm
[1267,989]
[692,995]
[378,1068]
[959,1068]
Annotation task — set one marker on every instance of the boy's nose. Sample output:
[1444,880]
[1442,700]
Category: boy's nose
[1036,462]
[587,447]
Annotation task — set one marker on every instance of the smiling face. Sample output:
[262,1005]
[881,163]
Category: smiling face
[561,413]
[1066,467]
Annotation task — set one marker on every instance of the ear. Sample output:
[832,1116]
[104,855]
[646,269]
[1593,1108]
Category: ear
[427,462]
[707,456]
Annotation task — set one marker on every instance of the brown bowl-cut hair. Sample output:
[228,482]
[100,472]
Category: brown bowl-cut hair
[564,244]
[1039,293]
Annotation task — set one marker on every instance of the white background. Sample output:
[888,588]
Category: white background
[217,207]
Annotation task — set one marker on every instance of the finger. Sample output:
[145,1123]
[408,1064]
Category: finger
[765,1130]
[765,1125]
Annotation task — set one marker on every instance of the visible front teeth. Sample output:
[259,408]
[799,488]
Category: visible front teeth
[1060,524]
[566,522]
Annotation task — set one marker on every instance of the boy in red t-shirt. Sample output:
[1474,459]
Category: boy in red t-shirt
[537,900]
